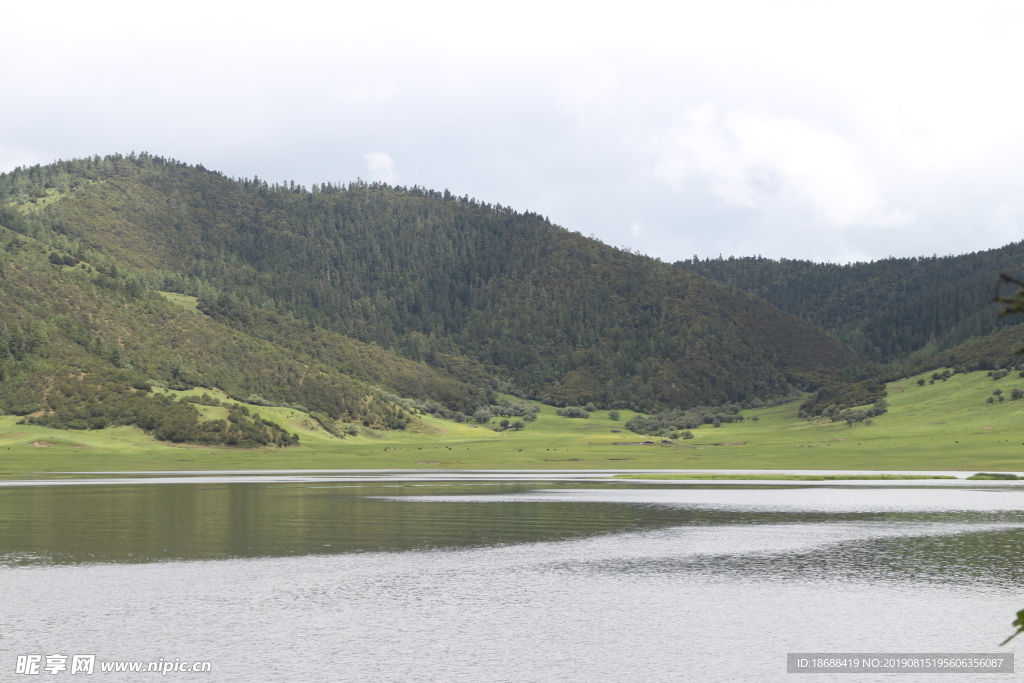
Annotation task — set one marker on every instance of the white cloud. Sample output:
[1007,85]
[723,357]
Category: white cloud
[590,96]
[1007,219]
[11,158]
[635,229]
[752,159]
[368,93]
[380,166]
[837,130]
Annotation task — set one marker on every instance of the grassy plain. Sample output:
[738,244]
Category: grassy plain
[945,426]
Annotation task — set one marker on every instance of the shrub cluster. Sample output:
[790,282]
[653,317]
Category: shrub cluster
[204,400]
[524,409]
[842,396]
[850,417]
[938,376]
[58,260]
[427,407]
[670,422]
[483,414]
[91,403]
[573,411]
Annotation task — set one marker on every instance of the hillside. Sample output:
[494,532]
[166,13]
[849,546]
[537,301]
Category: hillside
[88,344]
[884,310]
[416,292]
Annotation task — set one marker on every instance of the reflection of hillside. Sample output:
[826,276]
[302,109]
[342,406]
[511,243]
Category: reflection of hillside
[151,522]
[127,523]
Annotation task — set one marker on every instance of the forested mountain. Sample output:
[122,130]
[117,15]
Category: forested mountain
[883,310]
[82,340]
[336,296]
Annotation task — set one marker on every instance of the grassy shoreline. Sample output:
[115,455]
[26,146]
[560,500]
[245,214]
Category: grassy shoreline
[946,426]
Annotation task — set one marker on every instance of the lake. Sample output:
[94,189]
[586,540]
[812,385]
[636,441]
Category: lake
[515,576]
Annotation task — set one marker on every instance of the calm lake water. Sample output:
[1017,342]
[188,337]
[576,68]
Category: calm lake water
[448,577]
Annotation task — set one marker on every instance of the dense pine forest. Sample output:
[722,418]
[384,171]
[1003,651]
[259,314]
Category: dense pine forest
[365,303]
[904,315]
[369,282]
[883,310]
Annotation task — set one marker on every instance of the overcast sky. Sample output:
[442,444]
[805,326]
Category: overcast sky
[829,131]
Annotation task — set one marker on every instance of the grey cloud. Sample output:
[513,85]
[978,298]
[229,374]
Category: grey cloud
[705,154]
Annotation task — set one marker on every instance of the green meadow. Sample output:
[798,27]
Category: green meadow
[945,426]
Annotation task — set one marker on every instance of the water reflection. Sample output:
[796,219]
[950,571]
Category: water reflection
[934,534]
[504,581]
[126,523]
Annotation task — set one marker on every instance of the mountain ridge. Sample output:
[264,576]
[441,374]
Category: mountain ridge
[886,309]
[477,297]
